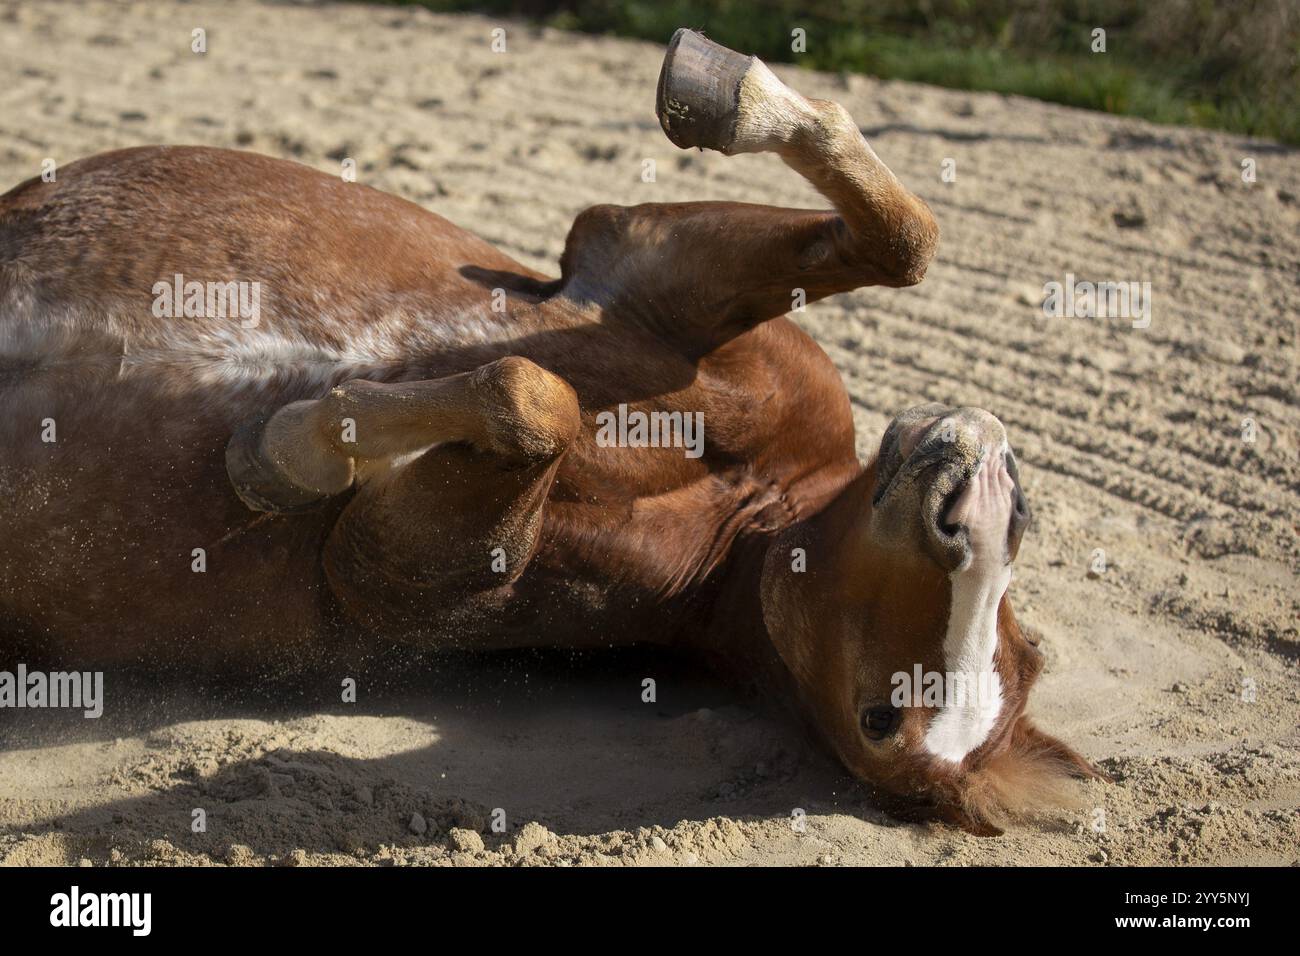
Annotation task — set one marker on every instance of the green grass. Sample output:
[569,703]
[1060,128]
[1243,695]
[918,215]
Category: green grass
[1184,63]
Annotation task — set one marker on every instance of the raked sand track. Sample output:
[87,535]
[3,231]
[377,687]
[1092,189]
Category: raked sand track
[1131,442]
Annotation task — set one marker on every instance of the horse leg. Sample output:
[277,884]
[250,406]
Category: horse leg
[705,272]
[451,478]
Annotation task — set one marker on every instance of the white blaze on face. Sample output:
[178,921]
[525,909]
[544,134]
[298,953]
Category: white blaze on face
[968,650]
[971,642]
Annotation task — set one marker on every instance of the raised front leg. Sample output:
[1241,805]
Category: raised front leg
[451,475]
[311,450]
[707,271]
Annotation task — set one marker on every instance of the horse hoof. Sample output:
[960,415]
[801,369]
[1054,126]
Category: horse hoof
[256,482]
[698,100]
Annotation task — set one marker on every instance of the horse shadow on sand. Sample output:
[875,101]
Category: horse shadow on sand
[283,770]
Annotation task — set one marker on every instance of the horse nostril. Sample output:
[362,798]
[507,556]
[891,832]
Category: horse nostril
[1020,517]
[943,519]
[1019,511]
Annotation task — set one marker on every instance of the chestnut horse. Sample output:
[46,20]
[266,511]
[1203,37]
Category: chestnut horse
[386,427]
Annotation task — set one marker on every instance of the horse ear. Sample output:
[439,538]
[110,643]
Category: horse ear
[1033,742]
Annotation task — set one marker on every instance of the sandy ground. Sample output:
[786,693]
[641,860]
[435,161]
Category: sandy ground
[1131,442]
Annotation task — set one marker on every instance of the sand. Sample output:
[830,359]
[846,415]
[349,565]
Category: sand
[1130,442]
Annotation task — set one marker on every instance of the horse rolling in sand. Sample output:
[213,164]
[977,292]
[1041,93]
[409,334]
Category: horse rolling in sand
[409,440]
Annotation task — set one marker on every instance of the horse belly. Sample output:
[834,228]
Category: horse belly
[120,536]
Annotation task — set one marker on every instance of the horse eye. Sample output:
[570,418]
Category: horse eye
[879,722]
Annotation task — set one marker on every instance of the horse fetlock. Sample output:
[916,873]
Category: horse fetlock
[773,117]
